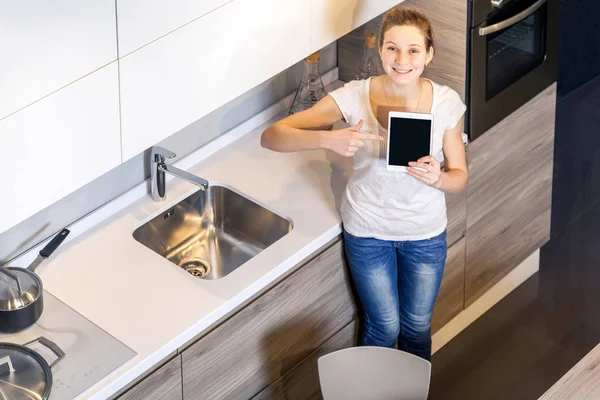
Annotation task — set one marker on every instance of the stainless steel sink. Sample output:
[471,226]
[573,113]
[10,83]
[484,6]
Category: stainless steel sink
[212,232]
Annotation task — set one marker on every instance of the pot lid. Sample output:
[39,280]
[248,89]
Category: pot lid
[13,279]
[24,374]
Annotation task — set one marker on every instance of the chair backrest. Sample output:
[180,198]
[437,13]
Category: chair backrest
[373,373]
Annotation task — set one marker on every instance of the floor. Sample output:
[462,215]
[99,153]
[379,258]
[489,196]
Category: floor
[525,343]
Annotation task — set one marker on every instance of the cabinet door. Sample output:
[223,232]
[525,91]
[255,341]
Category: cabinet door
[509,193]
[450,300]
[46,45]
[456,205]
[183,76]
[332,19]
[143,21]
[266,339]
[59,144]
[449,21]
[162,384]
[302,381]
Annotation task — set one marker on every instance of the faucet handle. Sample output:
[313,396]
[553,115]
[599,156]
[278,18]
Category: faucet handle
[160,153]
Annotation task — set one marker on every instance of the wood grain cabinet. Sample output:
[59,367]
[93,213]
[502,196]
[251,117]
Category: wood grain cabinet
[449,21]
[450,300]
[302,381]
[162,384]
[271,335]
[269,349]
[509,193]
[456,208]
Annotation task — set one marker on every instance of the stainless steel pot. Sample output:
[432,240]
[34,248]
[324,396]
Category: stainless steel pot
[22,292]
[24,373]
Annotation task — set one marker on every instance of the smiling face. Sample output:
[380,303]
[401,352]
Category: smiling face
[404,53]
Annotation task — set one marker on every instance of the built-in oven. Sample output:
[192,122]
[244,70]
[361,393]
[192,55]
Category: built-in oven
[513,57]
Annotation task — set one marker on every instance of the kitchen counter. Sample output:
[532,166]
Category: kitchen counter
[154,307]
[581,382]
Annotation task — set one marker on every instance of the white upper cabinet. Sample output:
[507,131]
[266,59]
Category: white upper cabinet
[142,21]
[46,45]
[59,144]
[332,19]
[183,76]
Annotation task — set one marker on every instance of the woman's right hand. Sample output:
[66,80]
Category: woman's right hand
[347,141]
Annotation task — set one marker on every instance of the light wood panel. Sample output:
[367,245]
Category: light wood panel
[507,235]
[449,22]
[504,159]
[509,193]
[456,205]
[302,382]
[162,384]
[450,301]
[582,382]
[271,335]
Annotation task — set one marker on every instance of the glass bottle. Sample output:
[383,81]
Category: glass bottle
[370,64]
[311,88]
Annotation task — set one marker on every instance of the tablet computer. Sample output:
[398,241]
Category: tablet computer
[410,137]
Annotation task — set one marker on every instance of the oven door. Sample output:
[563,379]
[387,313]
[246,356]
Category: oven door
[513,58]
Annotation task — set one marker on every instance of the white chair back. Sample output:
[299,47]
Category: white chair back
[373,373]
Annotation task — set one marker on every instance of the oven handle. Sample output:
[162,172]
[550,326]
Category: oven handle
[512,20]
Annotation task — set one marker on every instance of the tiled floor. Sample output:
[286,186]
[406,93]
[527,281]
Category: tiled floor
[525,343]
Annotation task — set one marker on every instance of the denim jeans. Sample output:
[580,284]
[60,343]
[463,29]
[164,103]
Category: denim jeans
[397,284]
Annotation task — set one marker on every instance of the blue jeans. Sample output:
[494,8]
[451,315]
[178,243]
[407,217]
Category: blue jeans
[397,284]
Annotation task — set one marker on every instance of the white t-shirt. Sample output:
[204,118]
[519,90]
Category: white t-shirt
[385,204]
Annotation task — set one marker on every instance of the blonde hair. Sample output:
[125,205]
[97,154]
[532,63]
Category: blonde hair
[400,16]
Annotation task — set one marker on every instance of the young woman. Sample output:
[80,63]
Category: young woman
[394,222]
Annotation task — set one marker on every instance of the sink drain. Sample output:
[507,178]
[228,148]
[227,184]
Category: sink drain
[195,266]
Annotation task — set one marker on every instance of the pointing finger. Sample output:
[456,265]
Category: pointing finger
[369,136]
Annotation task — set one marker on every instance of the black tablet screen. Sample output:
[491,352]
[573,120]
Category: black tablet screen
[409,140]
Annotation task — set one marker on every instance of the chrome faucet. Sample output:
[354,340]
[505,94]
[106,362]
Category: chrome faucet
[158,167]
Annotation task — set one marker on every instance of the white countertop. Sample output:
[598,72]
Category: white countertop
[154,307]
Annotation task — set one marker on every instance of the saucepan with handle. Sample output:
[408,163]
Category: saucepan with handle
[22,292]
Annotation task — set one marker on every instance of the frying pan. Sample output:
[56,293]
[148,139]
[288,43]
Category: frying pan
[22,292]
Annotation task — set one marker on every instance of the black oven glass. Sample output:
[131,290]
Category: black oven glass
[515,50]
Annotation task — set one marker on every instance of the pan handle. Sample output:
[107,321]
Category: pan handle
[54,243]
[7,272]
[50,345]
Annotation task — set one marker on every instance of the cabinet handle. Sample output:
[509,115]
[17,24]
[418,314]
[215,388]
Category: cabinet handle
[483,31]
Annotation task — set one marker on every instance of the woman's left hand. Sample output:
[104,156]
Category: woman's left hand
[432,176]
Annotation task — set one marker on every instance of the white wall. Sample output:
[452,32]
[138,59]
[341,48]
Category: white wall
[87,86]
